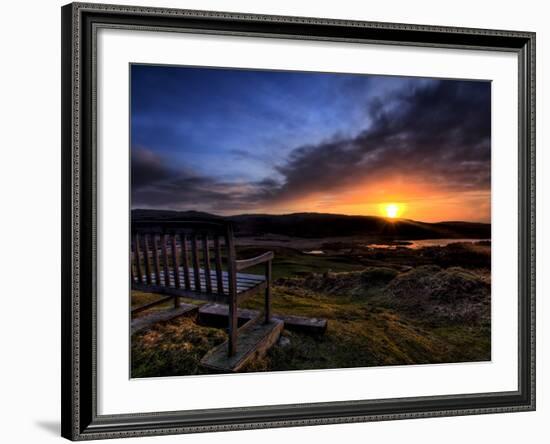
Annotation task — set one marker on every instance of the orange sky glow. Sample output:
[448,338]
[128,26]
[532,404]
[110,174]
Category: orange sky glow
[415,200]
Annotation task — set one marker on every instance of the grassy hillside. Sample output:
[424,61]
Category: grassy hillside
[388,307]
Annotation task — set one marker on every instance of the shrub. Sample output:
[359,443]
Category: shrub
[453,294]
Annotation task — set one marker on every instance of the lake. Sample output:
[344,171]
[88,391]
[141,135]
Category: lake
[412,244]
[416,244]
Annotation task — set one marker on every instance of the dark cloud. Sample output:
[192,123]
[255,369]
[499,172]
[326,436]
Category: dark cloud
[147,168]
[439,131]
[156,184]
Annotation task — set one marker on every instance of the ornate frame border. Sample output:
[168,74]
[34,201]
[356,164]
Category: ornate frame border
[80,22]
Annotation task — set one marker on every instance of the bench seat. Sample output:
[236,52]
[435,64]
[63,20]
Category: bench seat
[246,285]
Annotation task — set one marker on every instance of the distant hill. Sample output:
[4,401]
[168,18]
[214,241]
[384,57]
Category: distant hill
[318,225]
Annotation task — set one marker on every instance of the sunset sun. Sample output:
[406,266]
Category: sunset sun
[392,210]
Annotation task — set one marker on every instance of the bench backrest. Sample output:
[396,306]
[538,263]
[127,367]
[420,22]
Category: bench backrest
[193,255]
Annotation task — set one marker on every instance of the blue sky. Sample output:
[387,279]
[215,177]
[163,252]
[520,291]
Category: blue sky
[253,119]
[258,134]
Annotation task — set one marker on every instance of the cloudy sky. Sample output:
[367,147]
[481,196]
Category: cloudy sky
[232,141]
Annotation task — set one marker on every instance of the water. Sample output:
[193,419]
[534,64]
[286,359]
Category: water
[412,244]
[416,244]
[314,252]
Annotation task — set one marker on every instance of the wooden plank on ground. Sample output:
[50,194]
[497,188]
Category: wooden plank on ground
[151,305]
[151,319]
[215,315]
[253,342]
[302,324]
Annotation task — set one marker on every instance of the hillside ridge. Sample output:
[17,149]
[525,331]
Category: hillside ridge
[319,225]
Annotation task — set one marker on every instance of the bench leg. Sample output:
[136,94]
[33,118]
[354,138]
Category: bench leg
[267,309]
[233,323]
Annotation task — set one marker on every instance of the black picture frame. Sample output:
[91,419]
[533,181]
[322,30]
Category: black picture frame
[79,396]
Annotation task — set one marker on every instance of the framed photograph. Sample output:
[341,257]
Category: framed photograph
[281,221]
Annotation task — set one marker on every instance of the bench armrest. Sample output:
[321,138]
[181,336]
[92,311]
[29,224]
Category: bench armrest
[247,263]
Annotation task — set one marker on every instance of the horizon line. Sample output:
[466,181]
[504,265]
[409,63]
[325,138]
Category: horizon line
[310,212]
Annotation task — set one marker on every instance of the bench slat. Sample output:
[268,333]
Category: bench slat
[175,268]
[175,262]
[156,262]
[218,261]
[137,258]
[206,260]
[165,265]
[146,259]
[132,274]
[195,257]
[185,260]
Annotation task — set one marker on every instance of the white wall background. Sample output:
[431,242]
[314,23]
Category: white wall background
[30,222]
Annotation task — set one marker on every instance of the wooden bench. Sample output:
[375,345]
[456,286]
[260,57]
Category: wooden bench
[196,259]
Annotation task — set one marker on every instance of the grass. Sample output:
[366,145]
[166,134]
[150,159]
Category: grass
[173,348]
[140,298]
[365,329]
[386,314]
[290,262]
